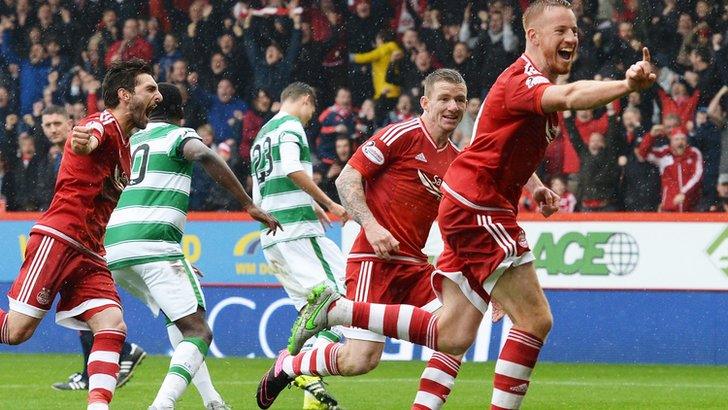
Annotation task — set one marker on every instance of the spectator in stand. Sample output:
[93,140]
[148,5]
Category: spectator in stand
[681,170]
[640,187]
[705,136]
[703,75]
[202,182]
[201,26]
[362,28]
[170,56]
[32,71]
[366,122]
[384,93]
[464,132]
[344,150]
[468,66]
[131,45]
[599,173]
[22,171]
[721,204]
[253,121]
[5,107]
[403,110]
[567,203]
[180,73]
[56,126]
[222,108]
[680,101]
[272,69]
[236,63]
[586,125]
[215,72]
[409,77]
[337,120]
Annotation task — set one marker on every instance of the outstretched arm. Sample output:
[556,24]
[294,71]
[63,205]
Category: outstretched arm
[588,94]
[194,150]
[547,200]
[350,185]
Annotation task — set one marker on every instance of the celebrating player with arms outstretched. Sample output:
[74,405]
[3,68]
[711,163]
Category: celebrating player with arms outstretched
[391,187]
[65,250]
[486,254]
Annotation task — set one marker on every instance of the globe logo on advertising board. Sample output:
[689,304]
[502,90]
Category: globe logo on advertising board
[621,254]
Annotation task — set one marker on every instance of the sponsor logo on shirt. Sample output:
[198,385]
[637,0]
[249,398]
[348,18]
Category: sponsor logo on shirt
[421,157]
[373,153]
[536,80]
[432,185]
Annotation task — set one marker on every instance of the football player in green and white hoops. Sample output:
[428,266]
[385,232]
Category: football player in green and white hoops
[144,235]
[301,255]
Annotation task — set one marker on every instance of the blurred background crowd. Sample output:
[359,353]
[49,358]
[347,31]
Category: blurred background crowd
[664,150]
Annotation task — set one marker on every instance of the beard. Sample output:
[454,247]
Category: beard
[139,116]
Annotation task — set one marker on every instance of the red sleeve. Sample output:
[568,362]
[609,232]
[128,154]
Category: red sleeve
[376,154]
[111,53]
[524,91]
[97,129]
[646,145]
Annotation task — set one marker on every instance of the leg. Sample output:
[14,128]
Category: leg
[16,327]
[522,299]
[188,356]
[201,379]
[109,332]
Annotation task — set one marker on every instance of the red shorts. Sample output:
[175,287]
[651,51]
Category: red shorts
[52,266]
[377,281]
[479,247]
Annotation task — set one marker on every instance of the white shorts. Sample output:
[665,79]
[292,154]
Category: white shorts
[171,286]
[303,263]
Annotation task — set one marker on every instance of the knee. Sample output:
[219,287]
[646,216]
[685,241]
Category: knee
[199,330]
[205,334]
[538,322]
[356,363]
[119,325]
[457,345]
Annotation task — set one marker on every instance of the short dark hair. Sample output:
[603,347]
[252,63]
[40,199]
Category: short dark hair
[122,74]
[55,109]
[171,105]
[703,53]
[386,35]
[442,74]
[297,90]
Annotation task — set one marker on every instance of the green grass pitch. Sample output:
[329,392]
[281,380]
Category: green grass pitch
[25,384]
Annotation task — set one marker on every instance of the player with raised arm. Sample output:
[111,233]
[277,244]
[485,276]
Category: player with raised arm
[144,234]
[65,249]
[300,254]
[391,187]
[486,253]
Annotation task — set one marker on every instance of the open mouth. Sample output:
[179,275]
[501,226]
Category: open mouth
[566,53]
[149,110]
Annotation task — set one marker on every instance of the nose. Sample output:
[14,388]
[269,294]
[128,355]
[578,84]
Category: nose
[158,97]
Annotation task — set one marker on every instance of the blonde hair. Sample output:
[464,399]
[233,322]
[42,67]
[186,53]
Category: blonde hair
[537,7]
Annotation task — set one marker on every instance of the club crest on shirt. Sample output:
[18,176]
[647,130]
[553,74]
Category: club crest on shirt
[44,296]
[373,153]
[522,242]
[432,185]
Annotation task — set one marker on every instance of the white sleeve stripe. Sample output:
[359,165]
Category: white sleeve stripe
[396,128]
[401,132]
[698,172]
[96,126]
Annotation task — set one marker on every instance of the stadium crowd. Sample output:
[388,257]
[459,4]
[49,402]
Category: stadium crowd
[662,150]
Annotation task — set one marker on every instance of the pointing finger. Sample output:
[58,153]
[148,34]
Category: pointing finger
[646,54]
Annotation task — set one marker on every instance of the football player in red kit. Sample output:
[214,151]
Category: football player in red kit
[391,187]
[486,253]
[65,252]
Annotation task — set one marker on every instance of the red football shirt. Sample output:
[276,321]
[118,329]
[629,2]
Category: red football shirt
[511,136]
[403,169]
[88,187]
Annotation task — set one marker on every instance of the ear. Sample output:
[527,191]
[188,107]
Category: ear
[424,103]
[123,94]
[532,36]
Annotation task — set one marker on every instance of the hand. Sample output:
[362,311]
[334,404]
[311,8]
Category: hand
[692,78]
[237,30]
[82,142]
[65,15]
[640,76]
[497,312]
[238,114]
[397,55]
[547,200]
[381,240]
[679,199]
[622,161]
[191,29]
[339,211]
[342,129]
[29,120]
[657,130]
[53,77]
[265,218]
[322,216]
